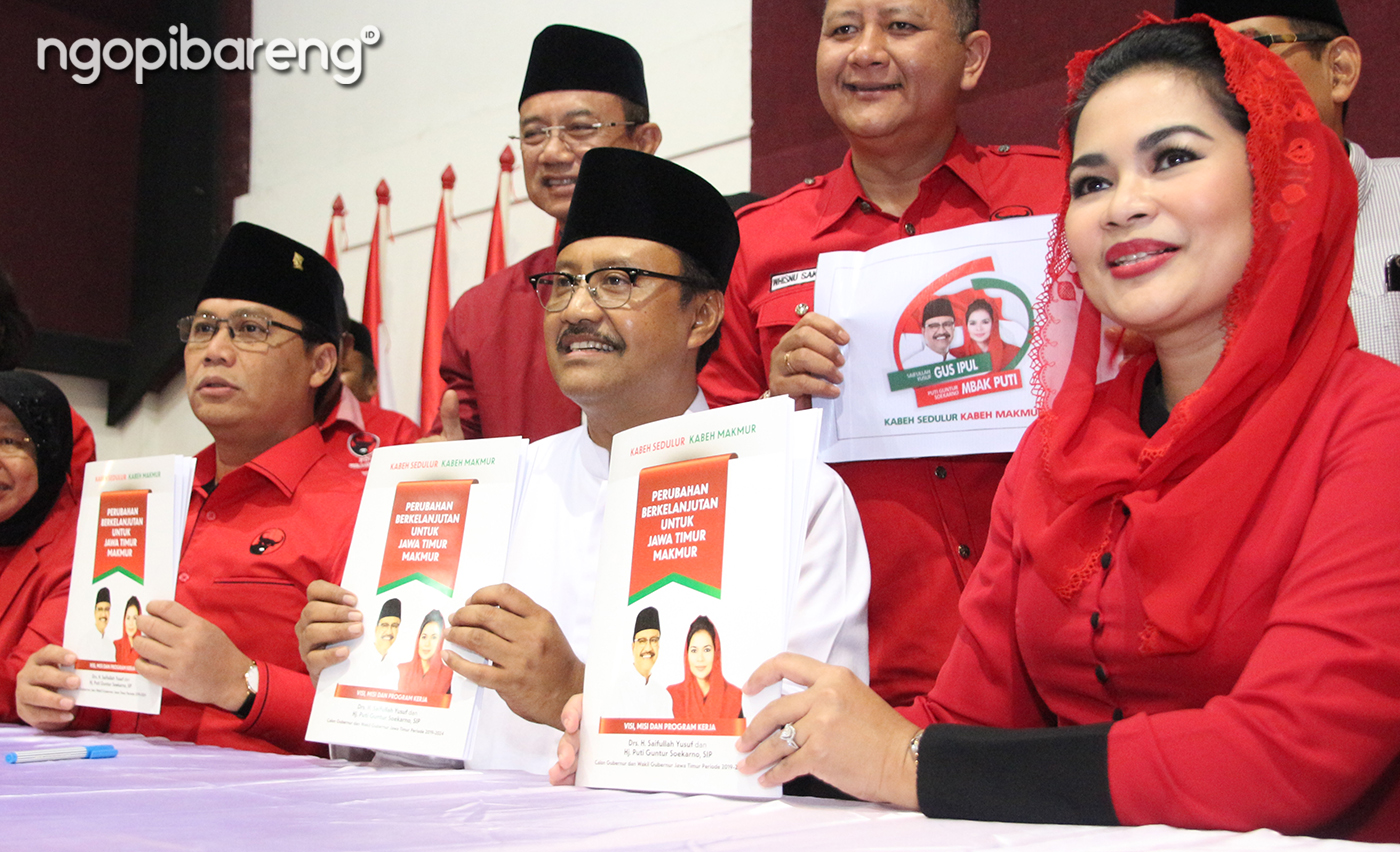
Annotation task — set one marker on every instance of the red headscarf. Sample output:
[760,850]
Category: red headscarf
[123,652]
[725,700]
[437,680]
[1193,487]
[1002,352]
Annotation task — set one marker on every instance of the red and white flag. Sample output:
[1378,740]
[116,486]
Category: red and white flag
[496,245]
[335,235]
[373,314]
[432,385]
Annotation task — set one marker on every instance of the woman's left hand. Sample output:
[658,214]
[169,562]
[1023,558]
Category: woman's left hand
[846,735]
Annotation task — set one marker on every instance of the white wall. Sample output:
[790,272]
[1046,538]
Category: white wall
[440,87]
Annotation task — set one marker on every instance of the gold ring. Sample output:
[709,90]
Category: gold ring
[788,364]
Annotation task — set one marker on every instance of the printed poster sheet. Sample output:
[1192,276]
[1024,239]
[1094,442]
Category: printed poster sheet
[938,363]
[130,526]
[433,527]
[701,549]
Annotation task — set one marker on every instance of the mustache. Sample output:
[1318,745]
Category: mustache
[588,328]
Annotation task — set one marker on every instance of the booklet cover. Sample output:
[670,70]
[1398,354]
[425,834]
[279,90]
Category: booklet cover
[433,527]
[938,363]
[702,543]
[130,526]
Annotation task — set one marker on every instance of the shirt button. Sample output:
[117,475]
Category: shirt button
[184,578]
[1004,149]
[809,180]
[1100,674]
[802,309]
[909,228]
[211,515]
[1117,714]
[865,206]
[941,472]
[1106,561]
[1095,621]
[964,551]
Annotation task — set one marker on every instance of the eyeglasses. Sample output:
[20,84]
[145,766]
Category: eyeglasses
[17,446]
[610,287]
[1288,38]
[571,134]
[248,331]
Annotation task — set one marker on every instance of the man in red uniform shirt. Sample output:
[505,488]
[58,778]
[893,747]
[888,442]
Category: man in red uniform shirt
[272,510]
[890,77]
[583,89]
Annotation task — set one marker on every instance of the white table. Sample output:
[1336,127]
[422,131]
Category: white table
[158,795]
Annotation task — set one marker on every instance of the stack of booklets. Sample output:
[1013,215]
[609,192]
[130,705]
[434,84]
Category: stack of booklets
[433,527]
[702,543]
[130,525]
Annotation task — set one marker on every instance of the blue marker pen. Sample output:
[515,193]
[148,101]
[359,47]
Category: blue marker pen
[74,753]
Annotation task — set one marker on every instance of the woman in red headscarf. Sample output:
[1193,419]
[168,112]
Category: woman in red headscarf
[1186,611]
[426,673]
[982,328]
[126,655]
[704,695]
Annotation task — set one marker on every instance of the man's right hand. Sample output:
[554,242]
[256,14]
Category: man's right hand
[807,360]
[37,700]
[329,617]
[450,412]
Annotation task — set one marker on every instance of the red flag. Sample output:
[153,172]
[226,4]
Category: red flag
[438,305]
[373,314]
[335,235]
[496,245]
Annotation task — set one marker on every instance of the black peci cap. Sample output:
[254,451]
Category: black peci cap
[259,265]
[625,193]
[1229,11]
[566,58]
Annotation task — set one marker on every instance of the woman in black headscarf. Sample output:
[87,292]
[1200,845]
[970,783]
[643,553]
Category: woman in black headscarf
[38,518]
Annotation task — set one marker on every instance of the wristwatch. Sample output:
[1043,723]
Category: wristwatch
[250,677]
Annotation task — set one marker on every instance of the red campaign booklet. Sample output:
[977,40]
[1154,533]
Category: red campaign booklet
[702,543]
[130,525]
[433,527]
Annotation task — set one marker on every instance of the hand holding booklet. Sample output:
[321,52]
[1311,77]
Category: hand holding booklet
[433,527]
[131,523]
[702,543]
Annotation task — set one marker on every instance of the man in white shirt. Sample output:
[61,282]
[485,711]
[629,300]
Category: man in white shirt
[938,325]
[99,648]
[630,360]
[641,696]
[1312,37]
[372,666]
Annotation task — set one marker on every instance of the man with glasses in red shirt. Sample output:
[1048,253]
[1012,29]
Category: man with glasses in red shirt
[272,510]
[583,89]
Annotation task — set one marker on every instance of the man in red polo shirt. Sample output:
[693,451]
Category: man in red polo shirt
[890,77]
[272,510]
[582,90]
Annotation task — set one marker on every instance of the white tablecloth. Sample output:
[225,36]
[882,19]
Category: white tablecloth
[158,795]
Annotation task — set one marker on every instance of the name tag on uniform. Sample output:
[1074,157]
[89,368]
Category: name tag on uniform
[783,280]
